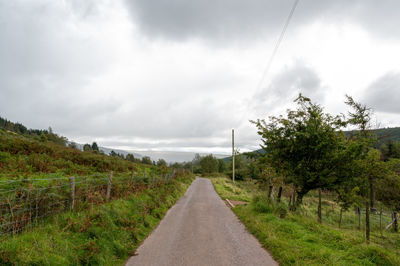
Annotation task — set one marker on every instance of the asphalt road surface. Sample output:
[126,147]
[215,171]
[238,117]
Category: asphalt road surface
[200,230]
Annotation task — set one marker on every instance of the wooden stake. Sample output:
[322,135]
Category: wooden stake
[279,194]
[319,206]
[132,176]
[109,186]
[380,222]
[367,228]
[72,192]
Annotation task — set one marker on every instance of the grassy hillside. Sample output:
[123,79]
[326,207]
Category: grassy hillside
[109,217]
[22,156]
[296,238]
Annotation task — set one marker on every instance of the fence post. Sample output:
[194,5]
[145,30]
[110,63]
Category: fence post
[72,192]
[367,226]
[395,222]
[319,206]
[270,191]
[280,194]
[380,222]
[132,176]
[37,204]
[109,186]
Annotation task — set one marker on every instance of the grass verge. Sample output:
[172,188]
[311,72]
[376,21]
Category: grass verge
[296,239]
[103,235]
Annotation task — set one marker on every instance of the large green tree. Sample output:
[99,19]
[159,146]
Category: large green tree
[303,145]
[209,164]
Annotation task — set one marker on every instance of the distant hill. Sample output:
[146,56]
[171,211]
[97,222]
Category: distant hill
[383,134]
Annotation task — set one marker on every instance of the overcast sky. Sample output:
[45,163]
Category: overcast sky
[179,74]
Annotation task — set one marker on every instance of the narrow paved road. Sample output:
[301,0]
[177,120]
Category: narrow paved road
[200,230]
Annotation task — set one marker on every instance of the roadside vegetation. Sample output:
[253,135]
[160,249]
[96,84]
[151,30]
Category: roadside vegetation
[319,194]
[60,205]
[106,234]
[296,237]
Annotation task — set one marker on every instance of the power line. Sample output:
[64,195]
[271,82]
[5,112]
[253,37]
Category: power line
[267,68]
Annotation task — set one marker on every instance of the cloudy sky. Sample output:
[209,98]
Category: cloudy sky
[179,74]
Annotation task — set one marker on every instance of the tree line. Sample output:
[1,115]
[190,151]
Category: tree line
[39,134]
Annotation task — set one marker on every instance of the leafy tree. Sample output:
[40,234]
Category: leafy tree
[361,117]
[208,164]
[161,162]
[130,157]
[390,149]
[87,147]
[196,159]
[95,147]
[188,166]
[303,145]
[177,165]
[388,187]
[221,166]
[147,160]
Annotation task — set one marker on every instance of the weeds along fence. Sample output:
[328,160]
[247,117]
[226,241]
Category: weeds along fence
[380,219]
[25,202]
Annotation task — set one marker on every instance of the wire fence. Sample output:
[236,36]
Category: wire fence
[25,202]
[379,219]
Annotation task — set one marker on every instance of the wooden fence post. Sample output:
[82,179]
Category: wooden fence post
[37,204]
[72,192]
[132,176]
[367,226]
[380,222]
[109,186]
[395,222]
[319,206]
[279,194]
[270,191]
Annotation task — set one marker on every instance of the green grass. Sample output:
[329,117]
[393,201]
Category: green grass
[105,234]
[297,239]
[241,191]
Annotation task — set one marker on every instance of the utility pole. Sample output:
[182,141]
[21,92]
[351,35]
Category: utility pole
[233,155]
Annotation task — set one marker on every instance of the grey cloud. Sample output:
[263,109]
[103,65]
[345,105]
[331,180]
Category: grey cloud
[384,94]
[46,63]
[227,20]
[286,85]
